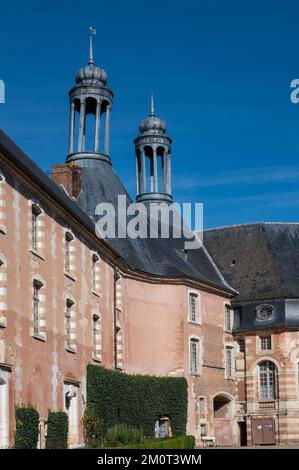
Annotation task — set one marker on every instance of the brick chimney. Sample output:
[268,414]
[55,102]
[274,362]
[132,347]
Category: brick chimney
[68,175]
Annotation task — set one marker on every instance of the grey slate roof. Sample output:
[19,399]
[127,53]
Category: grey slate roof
[260,260]
[160,257]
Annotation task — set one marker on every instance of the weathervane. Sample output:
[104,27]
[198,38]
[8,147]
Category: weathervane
[92,32]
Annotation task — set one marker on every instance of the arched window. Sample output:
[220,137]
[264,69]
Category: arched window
[267,380]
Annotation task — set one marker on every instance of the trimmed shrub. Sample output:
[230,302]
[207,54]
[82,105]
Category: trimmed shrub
[91,423]
[124,435]
[182,442]
[136,400]
[26,435]
[57,430]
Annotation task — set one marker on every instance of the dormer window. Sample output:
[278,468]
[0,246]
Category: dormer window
[263,312]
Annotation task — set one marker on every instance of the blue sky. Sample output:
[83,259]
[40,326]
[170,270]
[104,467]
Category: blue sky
[220,71]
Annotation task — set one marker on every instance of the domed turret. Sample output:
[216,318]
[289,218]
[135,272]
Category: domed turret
[90,95]
[153,145]
[152,124]
[91,74]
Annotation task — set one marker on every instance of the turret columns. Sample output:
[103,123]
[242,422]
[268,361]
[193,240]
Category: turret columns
[71,127]
[143,172]
[81,127]
[155,170]
[97,127]
[107,130]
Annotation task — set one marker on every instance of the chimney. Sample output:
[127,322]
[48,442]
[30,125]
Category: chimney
[68,175]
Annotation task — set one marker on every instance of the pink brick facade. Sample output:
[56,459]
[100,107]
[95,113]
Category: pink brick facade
[43,363]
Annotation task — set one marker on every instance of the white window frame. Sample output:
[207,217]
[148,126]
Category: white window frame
[229,347]
[68,323]
[265,338]
[202,400]
[273,397]
[195,340]
[228,327]
[192,294]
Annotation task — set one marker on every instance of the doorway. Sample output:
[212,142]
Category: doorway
[70,395]
[242,433]
[263,431]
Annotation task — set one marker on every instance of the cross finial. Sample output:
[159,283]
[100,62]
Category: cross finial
[92,32]
[152,111]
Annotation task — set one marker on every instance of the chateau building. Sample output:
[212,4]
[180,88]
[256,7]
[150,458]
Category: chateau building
[261,261]
[69,297]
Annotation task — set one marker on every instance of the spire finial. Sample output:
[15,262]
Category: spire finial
[152,111]
[92,32]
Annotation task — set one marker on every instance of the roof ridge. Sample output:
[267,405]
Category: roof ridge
[246,224]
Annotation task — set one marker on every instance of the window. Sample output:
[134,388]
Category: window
[3,292]
[228,318]
[95,269]
[35,212]
[267,376]
[95,321]
[202,429]
[202,405]
[193,308]
[2,205]
[264,311]
[36,306]
[67,252]
[229,362]
[265,343]
[241,345]
[68,319]
[194,356]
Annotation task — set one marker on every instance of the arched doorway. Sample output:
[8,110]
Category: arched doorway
[222,408]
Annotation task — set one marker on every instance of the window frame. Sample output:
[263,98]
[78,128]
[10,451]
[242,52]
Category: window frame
[36,314]
[229,348]
[228,318]
[198,359]
[69,304]
[264,340]
[194,295]
[266,376]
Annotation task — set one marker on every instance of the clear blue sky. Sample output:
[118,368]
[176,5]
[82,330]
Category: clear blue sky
[221,73]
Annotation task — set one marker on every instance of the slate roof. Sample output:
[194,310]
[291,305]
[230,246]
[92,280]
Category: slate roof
[160,257]
[260,260]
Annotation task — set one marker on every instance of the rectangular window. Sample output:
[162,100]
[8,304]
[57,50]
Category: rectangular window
[68,318]
[36,287]
[95,260]
[202,405]
[266,343]
[34,229]
[95,319]
[193,308]
[194,356]
[241,345]
[67,252]
[229,362]
[202,429]
[228,318]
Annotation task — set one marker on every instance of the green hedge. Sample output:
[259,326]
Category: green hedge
[136,400]
[181,442]
[26,435]
[57,430]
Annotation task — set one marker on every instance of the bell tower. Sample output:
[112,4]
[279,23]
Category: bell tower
[153,160]
[90,97]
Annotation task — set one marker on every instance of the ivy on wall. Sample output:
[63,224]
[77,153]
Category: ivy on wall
[135,400]
[26,435]
[57,430]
